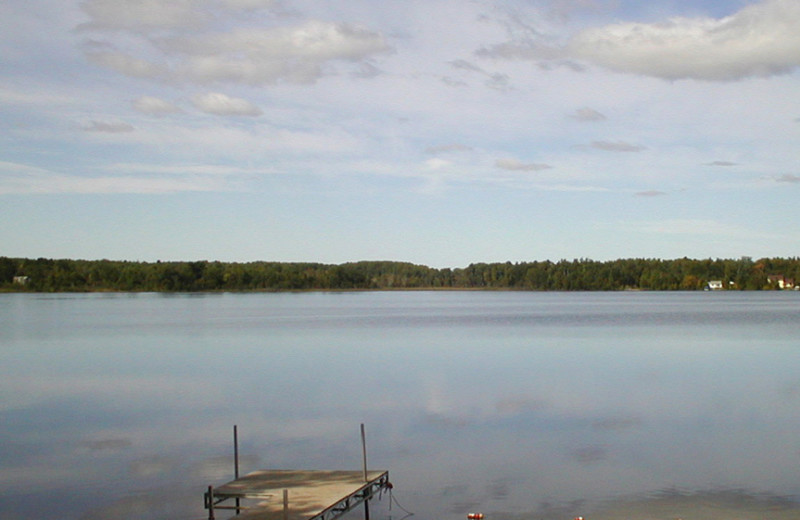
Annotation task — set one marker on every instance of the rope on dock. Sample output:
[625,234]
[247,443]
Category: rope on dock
[393,499]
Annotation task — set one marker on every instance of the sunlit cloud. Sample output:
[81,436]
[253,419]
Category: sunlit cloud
[261,56]
[516,165]
[451,82]
[759,40]
[110,127]
[587,114]
[617,146]
[155,106]
[128,65]
[222,105]
[168,51]
[466,65]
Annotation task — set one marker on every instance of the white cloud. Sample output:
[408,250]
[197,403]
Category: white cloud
[437,164]
[221,105]
[515,165]
[300,53]
[314,40]
[466,65]
[296,54]
[451,82]
[617,146]
[110,127]
[762,39]
[789,178]
[588,114]
[366,70]
[127,65]
[154,106]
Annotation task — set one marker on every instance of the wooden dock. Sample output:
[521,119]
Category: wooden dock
[296,494]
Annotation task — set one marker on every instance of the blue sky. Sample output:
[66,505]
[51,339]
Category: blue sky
[440,132]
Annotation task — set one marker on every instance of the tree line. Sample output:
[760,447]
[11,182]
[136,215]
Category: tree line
[65,275]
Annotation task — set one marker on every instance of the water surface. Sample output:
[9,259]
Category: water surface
[519,405]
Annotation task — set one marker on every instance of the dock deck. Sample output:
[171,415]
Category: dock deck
[296,494]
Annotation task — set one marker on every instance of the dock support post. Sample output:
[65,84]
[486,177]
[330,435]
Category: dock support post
[210,502]
[285,504]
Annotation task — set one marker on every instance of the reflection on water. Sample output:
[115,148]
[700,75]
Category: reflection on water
[520,405]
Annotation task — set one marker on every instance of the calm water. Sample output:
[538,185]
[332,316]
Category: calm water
[519,405]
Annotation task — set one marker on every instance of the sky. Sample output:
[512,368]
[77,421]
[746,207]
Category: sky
[439,132]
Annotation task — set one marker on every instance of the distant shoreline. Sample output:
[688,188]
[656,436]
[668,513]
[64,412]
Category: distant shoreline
[634,274]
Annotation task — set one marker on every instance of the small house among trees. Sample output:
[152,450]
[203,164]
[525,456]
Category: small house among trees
[780,281]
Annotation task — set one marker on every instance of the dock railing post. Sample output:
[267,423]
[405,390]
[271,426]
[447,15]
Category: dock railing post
[236,460]
[364,451]
[366,479]
[285,504]
[235,452]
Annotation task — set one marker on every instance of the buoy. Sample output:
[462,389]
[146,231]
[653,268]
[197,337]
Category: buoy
[475,516]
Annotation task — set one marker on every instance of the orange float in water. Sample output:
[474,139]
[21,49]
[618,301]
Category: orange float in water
[475,516]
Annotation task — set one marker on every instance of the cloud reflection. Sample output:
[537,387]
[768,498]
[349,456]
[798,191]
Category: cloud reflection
[617,423]
[588,455]
[107,444]
[723,504]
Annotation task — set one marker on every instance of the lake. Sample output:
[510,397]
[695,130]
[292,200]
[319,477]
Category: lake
[514,404]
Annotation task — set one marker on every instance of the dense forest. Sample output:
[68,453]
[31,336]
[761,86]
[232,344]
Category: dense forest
[64,275]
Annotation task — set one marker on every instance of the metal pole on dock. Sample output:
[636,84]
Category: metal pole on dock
[235,452]
[285,504]
[236,459]
[364,456]
[364,451]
